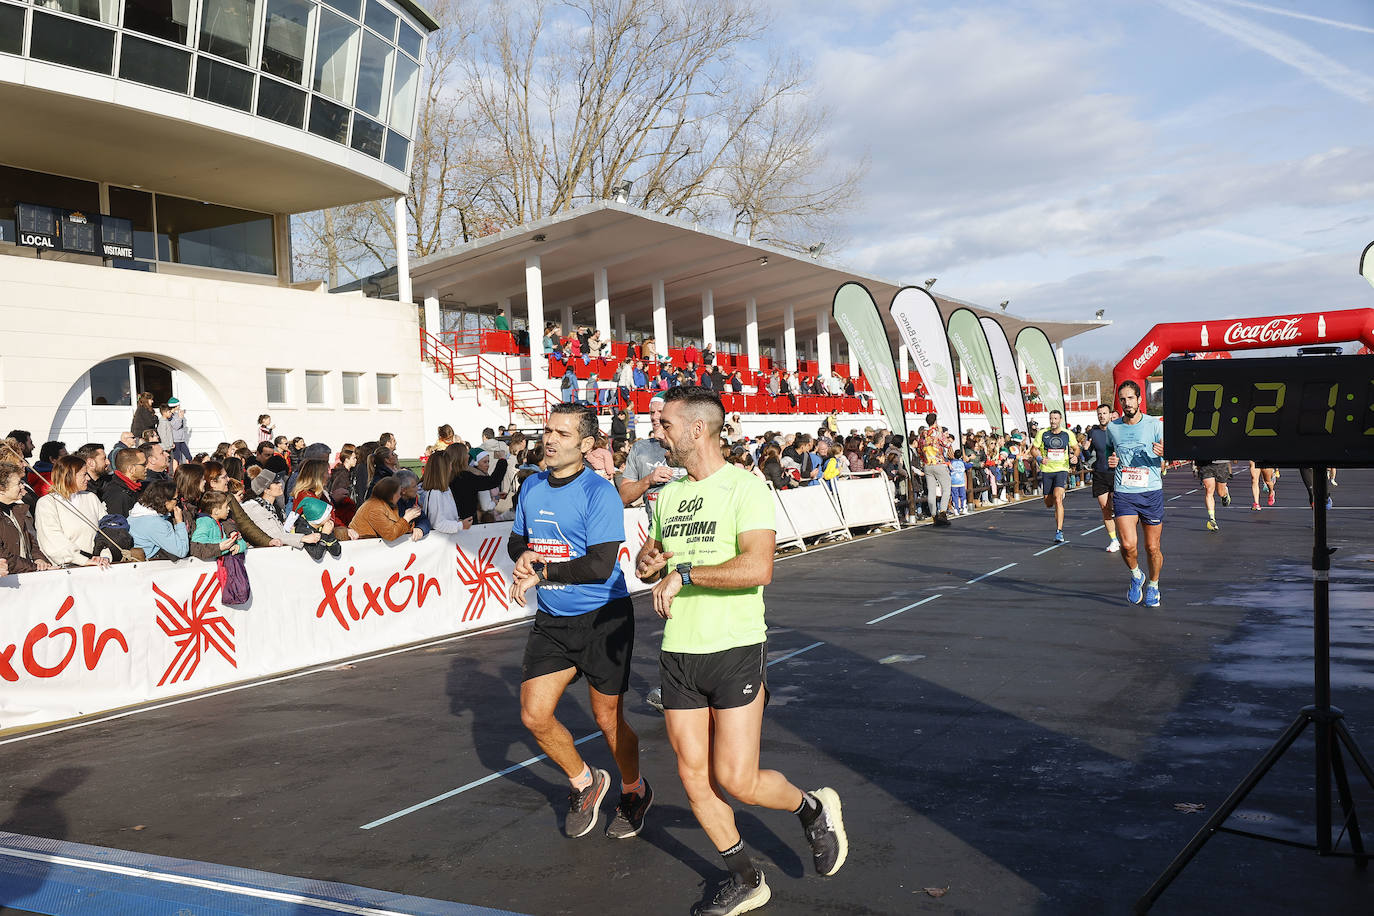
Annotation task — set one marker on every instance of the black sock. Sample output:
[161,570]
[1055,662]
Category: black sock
[808,810]
[740,865]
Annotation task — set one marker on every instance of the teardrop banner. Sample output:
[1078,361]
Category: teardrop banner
[1367,263]
[970,344]
[1037,355]
[1013,399]
[858,317]
[918,320]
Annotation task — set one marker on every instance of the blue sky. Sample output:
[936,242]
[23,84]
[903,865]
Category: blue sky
[1166,160]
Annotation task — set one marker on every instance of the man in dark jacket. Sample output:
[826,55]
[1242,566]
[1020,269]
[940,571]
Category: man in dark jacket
[97,466]
[19,548]
[131,470]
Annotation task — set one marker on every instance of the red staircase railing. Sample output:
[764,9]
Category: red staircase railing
[477,371]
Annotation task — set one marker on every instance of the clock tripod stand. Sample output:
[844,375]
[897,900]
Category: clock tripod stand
[1327,721]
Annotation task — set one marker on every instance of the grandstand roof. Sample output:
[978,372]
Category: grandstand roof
[638,247]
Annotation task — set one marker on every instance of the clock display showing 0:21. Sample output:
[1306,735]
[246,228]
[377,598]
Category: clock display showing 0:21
[1306,407]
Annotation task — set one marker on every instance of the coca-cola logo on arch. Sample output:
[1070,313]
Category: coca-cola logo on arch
[1275,331]
[1145,356]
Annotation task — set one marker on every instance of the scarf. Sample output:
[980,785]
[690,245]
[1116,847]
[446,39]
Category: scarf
[131,484]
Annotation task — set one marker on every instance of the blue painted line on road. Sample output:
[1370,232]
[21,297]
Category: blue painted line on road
[521,765]
[901,610]
[993,573]
[71,879]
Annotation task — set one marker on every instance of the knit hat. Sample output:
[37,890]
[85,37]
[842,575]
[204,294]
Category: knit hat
[314,510]
[173,402]
[264,480]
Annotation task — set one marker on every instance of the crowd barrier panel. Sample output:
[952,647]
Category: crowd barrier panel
[812,511]
[787,534]
[84,641]
[866,499]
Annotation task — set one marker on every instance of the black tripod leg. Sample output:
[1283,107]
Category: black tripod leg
[1348,740]
[1352,822]
[1232,802]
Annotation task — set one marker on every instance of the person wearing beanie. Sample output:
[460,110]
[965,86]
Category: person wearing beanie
[314,518]
[267,487]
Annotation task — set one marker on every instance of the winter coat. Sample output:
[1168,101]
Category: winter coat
[18,540]
[252,534]
[328,543]
[144,420]
[441,510]
[64,537]
[271,524]
[207,535]
[156,536]
[377,519]
[468,484]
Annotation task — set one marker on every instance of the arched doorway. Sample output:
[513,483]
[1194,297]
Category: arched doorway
[100,404]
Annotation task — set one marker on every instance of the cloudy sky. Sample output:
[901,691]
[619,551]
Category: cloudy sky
[1162,159]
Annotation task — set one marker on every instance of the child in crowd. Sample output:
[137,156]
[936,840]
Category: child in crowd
[958,483]
[265,428]
[315,517]
[215,534]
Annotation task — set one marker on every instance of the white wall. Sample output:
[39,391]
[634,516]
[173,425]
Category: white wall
[58,320]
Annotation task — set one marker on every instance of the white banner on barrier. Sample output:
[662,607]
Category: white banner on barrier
[812,511]
[866,501]
[787,533]
[83,641]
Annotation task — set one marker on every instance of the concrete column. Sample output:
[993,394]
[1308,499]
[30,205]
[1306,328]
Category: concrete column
[622,333]
[504,307]
[751,332]
[904,363]
[672,335]
[823,345]
[660,318]
[567,319]
[534,314]
[433,319]
[789,337]
[1063,366]
[401,238]
[603,302]
[708,319]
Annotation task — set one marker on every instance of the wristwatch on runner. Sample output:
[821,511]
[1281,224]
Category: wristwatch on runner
[685,571]
[539,571]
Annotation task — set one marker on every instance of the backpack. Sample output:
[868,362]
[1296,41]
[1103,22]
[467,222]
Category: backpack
[234,587]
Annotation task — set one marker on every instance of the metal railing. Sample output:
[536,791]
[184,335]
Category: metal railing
[482,374]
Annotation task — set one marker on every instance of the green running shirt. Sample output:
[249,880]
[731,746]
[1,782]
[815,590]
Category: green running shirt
[699,522]
[1055,449]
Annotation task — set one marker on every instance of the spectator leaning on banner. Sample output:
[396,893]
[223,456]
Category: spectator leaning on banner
[378,517]
[316,518]
[66,520]
[262,509]
[157,525]
[18,541]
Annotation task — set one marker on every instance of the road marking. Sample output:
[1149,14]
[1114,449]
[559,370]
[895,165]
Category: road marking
[993,573]
[901,610]
[525,763]
[1051,547]
[1190,493]
[1179,496]
[1093,531]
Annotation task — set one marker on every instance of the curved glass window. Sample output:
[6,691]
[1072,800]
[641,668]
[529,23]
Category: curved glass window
[281,103]
[374,76]
[166,19]
[328,120]
[351,7]
[367,136]
[404,87]
[226,29]
[11,29]
[223,84]
[106,11]
[397,148]
[59,40]
[381,20]
[154,64]
[208,235]
[410,41]
[286,38]
[336,57]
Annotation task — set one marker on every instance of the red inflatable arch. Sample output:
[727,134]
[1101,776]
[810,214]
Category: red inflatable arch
[1164,340]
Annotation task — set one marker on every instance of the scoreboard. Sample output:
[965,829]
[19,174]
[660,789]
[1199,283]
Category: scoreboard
[56,229]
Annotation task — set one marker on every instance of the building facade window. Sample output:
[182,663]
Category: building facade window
[208,235]
[59,40]
[336,57]
[154,64]
[315,382]
[286,38]
[385,389]
[159,18]
[226,29]
[110,384]
[11,29]
[352,389]
[278,394]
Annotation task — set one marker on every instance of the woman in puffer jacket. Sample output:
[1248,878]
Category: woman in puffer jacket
[157,525]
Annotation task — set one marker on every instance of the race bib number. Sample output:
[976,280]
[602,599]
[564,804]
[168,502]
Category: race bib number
[1135,477]
[1056,454]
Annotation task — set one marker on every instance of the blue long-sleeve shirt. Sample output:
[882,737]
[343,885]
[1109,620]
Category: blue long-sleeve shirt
[155,535]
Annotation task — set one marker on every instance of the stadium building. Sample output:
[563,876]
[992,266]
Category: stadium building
[153,156]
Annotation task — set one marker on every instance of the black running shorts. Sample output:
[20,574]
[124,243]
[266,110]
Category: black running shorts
[598,644]
[1103,485]
[1215,470]
[721,680]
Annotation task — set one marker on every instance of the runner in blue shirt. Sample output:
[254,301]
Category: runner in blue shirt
[1104,478]
[1137,447]
[565,540]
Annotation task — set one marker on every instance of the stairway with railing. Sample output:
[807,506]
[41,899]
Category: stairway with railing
[467,364]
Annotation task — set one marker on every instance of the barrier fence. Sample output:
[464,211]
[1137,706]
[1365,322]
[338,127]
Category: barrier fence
[83,641]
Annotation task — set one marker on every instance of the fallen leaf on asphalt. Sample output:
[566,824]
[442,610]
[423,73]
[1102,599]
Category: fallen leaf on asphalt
[936,891]
[140,827]
[1189,807]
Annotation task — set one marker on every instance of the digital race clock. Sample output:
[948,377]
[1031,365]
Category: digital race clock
[1289,411]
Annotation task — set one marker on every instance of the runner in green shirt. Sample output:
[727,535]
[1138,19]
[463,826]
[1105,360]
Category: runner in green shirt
[711,549]
[1056,448]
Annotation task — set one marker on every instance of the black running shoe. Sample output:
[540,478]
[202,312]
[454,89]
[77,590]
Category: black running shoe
[829,845]
[629,814]
[734,897]
[584,804]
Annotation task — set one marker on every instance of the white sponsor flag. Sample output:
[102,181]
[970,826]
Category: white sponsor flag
[1008,385]
[1037,353]
[918,320]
